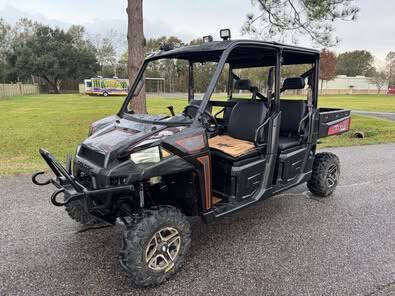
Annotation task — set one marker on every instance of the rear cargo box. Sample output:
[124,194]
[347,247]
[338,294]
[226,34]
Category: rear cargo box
[334,121]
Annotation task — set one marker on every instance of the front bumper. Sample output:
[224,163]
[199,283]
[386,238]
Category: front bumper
[71,189]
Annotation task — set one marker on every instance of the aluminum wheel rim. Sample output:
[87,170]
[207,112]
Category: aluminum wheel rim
[332,175]
[163,248]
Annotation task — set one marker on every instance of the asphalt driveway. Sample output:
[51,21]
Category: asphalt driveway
[385,115]
[291,244]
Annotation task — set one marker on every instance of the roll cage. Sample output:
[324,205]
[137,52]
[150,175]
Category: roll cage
[238,54]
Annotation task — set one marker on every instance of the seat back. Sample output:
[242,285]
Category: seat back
[245,118]
[292,112]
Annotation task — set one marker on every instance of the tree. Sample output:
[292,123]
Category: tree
[379,79]
[53,55]
[154,44]
[353,63]
[106,55]
[136,50]
[390,67]
[289,18]
[4,44]
[327,66]
[84,63]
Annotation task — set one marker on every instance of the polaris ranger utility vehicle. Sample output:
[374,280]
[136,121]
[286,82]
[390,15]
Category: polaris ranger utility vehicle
[215,157]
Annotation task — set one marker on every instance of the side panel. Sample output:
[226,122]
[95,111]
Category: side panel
[237,180]
[191,144]
[206,164]
[291,164]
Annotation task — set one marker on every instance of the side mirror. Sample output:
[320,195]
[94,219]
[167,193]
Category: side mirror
[293,83]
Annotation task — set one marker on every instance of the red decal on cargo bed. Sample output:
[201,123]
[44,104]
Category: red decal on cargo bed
[339,127]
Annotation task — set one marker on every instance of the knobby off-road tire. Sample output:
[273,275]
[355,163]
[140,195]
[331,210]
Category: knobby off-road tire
[153,249]
[77,212]
[325,175]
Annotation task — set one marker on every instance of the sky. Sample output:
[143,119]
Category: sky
[374,30]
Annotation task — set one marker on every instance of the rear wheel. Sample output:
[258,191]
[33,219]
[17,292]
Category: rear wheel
[105,94]
[325,175]
[153,248]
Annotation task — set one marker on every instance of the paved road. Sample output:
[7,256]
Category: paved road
[291,244]
[385,115]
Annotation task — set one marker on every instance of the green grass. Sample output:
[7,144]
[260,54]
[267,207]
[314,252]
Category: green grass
[60,122]
[360,102]
[379,103]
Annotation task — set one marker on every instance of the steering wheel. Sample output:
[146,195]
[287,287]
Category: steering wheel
[208,120]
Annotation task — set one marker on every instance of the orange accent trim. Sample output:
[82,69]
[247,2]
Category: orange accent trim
[182,142]
[205,161]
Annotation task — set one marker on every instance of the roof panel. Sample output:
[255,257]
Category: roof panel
[212,51]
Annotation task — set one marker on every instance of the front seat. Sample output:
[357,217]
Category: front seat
[245,118]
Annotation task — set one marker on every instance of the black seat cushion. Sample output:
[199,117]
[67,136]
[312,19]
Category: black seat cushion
[245,118]
[292,112]
[288,142]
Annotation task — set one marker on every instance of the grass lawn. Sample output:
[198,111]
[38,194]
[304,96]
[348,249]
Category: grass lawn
[60,122]
[380,103]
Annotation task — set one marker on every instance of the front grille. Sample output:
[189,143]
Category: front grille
[85,175]
[92,156]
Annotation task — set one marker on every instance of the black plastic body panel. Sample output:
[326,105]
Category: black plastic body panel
[237,180]
[290,164]
[331,116]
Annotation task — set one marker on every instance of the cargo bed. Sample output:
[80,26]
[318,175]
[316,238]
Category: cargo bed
[333,121]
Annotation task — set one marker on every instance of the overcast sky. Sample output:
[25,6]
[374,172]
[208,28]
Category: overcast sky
[373,31]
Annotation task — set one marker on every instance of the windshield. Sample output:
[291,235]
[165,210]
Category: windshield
[169,85]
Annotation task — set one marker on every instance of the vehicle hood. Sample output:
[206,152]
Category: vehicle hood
[113,135]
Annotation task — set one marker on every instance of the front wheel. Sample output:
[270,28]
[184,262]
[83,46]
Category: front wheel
[325,175]
[77,212]
[153,248]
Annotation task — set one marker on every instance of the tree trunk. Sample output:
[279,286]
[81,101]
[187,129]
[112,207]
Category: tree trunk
[54,84]
[58,84]
[136,50]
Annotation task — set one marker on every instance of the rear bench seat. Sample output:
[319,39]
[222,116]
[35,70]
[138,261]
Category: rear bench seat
[292,113]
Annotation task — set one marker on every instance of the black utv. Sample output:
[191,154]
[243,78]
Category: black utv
[215,157]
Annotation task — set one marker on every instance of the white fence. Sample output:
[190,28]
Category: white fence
[18,89]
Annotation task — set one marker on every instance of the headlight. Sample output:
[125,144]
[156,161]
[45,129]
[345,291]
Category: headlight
[149,155]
